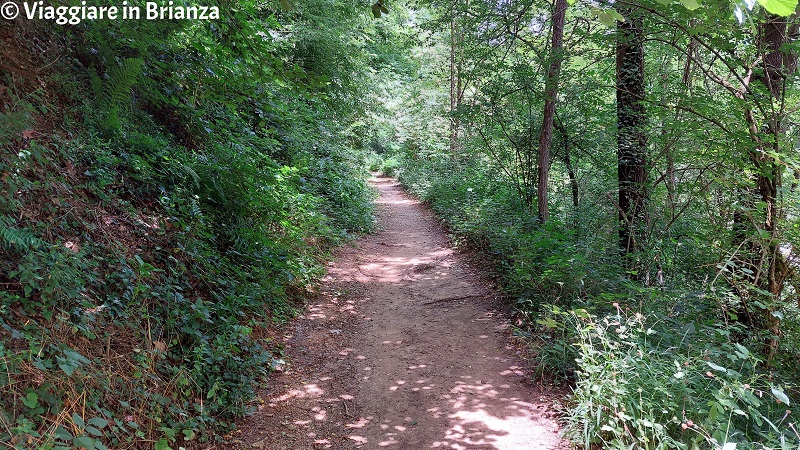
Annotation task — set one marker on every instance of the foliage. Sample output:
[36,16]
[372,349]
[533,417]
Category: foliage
[173,187]
[655,384]
[713,280]
[534,262]
[639,355]
[174,191]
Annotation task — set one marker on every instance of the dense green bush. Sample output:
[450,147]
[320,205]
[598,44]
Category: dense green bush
[652,367]
[553,262]
[647,383]
[204,253]
[155,234]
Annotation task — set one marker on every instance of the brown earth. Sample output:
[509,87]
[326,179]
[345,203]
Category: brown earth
[404,348]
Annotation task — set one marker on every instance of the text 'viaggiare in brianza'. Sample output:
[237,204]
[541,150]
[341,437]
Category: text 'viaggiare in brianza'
[73,15]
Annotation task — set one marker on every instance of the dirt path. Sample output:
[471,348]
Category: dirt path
[401,350]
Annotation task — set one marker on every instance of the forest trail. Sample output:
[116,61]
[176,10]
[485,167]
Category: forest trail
[403,349]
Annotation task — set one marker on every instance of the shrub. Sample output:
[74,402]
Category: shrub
[641,383]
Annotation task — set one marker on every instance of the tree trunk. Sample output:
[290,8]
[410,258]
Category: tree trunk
[771,267]
[550,97]
[455,82]
[631,122]
[573,179]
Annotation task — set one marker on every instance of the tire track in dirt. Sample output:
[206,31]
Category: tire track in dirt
[402,349]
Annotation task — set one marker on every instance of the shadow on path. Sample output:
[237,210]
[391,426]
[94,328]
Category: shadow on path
[402,350]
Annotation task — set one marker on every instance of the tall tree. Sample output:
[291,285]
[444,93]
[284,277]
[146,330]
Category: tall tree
[631,122]
[456,89]
[550,97]
[778,63]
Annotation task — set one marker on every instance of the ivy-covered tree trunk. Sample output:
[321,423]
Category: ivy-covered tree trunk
[631,135]
[550,97]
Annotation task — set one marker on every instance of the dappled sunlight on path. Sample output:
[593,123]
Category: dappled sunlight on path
[403,350]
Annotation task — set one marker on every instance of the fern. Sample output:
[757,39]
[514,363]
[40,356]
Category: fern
[194,208]
[120,80]
[96,82]
[184,169]
[115,91]
[12,238]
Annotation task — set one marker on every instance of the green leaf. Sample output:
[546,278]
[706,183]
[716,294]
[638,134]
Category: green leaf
[63,434]
[77,420]
[213,390]
[162,444]
[65,366]
[716,367]
[691,5]
[84,441]
[71,361]
[616,15]
[547,322]
[93,431]
[169,432]
[742,351]
[582,313]
[780,395]
[31,400]
[606,18]
[99,422]
[285,5]
[697,30]
[779,7]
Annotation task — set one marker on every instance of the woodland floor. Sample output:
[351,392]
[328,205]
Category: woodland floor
[405,347]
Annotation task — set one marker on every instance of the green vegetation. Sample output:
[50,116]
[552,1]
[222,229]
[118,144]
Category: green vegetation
[658,274]
[172,188]
[171,191]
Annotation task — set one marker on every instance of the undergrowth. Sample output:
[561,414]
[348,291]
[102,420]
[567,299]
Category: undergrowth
[150,246]
[651,366]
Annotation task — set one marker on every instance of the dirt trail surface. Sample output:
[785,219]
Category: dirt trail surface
[402,349]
